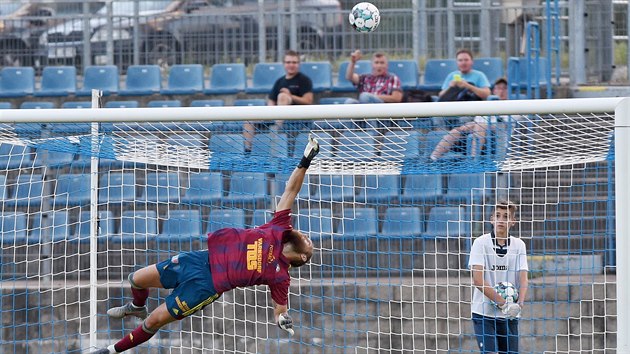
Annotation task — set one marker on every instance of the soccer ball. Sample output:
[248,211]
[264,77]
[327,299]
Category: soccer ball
[507,291]
[364,17]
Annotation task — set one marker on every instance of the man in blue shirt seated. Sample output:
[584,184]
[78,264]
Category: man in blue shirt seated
[465,84]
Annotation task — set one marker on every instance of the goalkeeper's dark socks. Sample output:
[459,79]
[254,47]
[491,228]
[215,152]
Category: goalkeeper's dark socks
[135,338]
[139,296]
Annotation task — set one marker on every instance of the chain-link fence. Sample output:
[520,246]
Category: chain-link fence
[164,32]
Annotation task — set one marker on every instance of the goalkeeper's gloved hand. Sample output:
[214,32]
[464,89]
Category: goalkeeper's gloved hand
[510,309]
[285,323]
[311,150]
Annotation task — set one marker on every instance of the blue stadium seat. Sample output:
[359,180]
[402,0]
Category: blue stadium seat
[379,188]
[181,224]
[6,105]
[315,222]
[435,72]
[448,222]
[280,182]
[105,225]
[137,225]
[356,145]
[225,218]
[122,104]
[58,81]
[204,188]
[229,144]
[492,67]
[343,85]
[324,140]
[261,217]
[104,78]
[422,189]
[359,222]
[247,187]
[57,229]
[14,226]
[142,80]
[250,102]
[403,143]
[27,191]
[334,188]
[15,156]
[76,104]
[161,187]
[37,105]
[184,79]
[17,82]
[320,73]
[333,100]
[270,145]
[407,72]
[3,187]
[164,103]
[403,222]
[227,79]
[265,75]
[117,187]
[53,158]
[466,188]
[72,189]
[207,103]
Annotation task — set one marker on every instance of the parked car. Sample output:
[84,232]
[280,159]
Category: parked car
[22,24]
[201,31]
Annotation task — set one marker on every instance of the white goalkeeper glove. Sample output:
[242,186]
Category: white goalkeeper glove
[311,150]
[285,323]
[510,309]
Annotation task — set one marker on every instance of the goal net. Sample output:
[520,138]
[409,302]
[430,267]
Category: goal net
[90,195]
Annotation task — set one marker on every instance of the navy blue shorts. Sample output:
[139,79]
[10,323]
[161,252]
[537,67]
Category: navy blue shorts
[496,335]
[188,274]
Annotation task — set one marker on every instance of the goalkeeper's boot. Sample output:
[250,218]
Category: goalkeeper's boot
[128,309]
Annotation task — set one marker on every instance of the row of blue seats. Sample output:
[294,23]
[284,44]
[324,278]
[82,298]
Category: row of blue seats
[156,103]
[188,225]
[232,78]
[245,188]
[364,145]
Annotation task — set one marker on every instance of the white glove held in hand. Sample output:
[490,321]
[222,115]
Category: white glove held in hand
[311,150]
[510,309]
[285,322]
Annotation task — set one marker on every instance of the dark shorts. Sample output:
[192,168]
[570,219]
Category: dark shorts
[188,274]
[496,335]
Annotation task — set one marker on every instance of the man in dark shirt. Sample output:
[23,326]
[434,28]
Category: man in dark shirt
[234,258]
[293,88]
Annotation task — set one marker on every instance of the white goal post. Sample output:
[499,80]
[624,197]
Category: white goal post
[545,136]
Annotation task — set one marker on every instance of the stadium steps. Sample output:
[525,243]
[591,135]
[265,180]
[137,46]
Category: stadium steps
[431,313]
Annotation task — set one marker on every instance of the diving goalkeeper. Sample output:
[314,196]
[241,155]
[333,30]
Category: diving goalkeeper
[235,258]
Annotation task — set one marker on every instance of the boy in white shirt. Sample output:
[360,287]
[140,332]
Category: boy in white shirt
[498,257]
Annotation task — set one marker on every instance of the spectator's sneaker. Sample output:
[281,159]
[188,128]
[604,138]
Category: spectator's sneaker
[128,310]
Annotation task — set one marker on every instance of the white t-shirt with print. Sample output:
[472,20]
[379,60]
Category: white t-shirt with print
[500,264]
